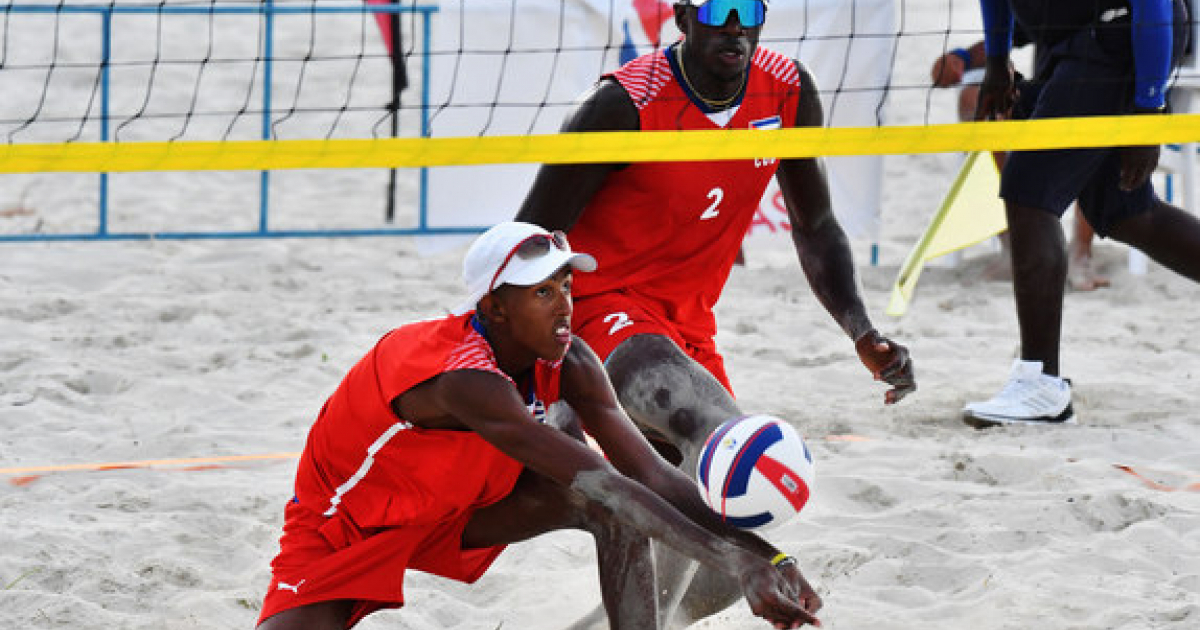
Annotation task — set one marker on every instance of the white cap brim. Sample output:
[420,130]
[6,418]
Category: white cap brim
[524,273]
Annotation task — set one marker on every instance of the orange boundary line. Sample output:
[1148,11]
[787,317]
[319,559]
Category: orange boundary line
[200,463]
[1154,485]
[194,461]
[186,461]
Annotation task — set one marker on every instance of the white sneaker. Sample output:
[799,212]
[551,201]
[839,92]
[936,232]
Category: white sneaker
[1029,397]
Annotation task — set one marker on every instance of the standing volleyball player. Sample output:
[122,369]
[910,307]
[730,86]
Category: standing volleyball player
[1095,58]
[666,235]
[433,453]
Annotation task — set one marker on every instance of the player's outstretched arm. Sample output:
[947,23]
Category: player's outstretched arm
[491,407]
[825,256]
[560,192]
[586,388]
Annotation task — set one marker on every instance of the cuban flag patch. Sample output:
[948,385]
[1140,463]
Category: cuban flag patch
[771,122]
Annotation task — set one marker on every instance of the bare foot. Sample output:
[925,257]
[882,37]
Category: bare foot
[1081,276]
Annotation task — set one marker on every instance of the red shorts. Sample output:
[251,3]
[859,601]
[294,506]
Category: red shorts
[364,566]
[607,319]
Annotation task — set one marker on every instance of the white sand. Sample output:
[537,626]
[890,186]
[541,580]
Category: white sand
[138,351]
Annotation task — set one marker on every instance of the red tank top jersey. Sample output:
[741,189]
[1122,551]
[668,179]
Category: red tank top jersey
[376,496]
[368,468]
[670,231]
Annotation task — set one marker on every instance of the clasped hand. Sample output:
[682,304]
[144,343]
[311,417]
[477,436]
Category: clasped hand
[781,596]
[889,362]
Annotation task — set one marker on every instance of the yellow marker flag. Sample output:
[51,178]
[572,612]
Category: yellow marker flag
[971,212]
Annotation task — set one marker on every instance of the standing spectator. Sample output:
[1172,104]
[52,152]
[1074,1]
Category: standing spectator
[1095,58]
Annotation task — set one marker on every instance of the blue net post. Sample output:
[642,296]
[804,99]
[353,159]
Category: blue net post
[105,59]
[426,34]
[268,51]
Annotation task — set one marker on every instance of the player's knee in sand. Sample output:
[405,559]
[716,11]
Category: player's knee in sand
[679,404]
[669,395]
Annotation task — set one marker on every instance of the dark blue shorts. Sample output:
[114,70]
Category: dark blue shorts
[1086,75]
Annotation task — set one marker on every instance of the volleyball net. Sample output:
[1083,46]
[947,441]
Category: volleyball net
[258,88]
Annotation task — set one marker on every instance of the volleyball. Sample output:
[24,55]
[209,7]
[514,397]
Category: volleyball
[756,472]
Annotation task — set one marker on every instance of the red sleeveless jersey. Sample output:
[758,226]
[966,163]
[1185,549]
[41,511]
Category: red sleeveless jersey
[363,462]
[670,231]
[376,496]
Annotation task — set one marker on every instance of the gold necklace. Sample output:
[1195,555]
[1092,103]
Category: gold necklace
[715,105]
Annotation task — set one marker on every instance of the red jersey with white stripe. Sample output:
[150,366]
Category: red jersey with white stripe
[376,496]
[670,231]
[365,464]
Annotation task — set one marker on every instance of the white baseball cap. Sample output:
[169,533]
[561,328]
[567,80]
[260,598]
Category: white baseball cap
[516,253]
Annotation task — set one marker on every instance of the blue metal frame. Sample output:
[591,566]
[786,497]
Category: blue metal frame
[268,10]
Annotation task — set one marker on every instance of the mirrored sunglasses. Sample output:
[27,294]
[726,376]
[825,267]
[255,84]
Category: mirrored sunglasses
[751,13]
[532,248]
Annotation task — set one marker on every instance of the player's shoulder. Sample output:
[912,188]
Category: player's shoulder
[580,356]
[607,107]
[581,364]
[644,77]
[583,377]
[651,63]
[610,92]
[778,65]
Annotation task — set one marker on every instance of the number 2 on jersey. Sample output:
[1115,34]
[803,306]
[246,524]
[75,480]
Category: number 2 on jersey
[717,195]
[618,320]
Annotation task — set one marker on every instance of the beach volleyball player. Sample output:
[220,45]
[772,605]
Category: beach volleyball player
[435,451]
[667,234]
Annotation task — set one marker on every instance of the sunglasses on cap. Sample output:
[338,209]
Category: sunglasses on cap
[751,13]
[531,248]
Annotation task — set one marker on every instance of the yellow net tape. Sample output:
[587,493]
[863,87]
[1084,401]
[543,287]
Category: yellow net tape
[87,157]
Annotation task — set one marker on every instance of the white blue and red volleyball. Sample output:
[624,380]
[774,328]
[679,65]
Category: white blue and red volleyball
[756,472]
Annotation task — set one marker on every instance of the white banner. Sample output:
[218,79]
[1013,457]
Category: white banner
[535,58]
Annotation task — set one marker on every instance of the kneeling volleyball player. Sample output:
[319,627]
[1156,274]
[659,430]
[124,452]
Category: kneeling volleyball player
[434,452]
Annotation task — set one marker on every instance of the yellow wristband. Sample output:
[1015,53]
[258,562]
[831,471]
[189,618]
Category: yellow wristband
[781,558]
